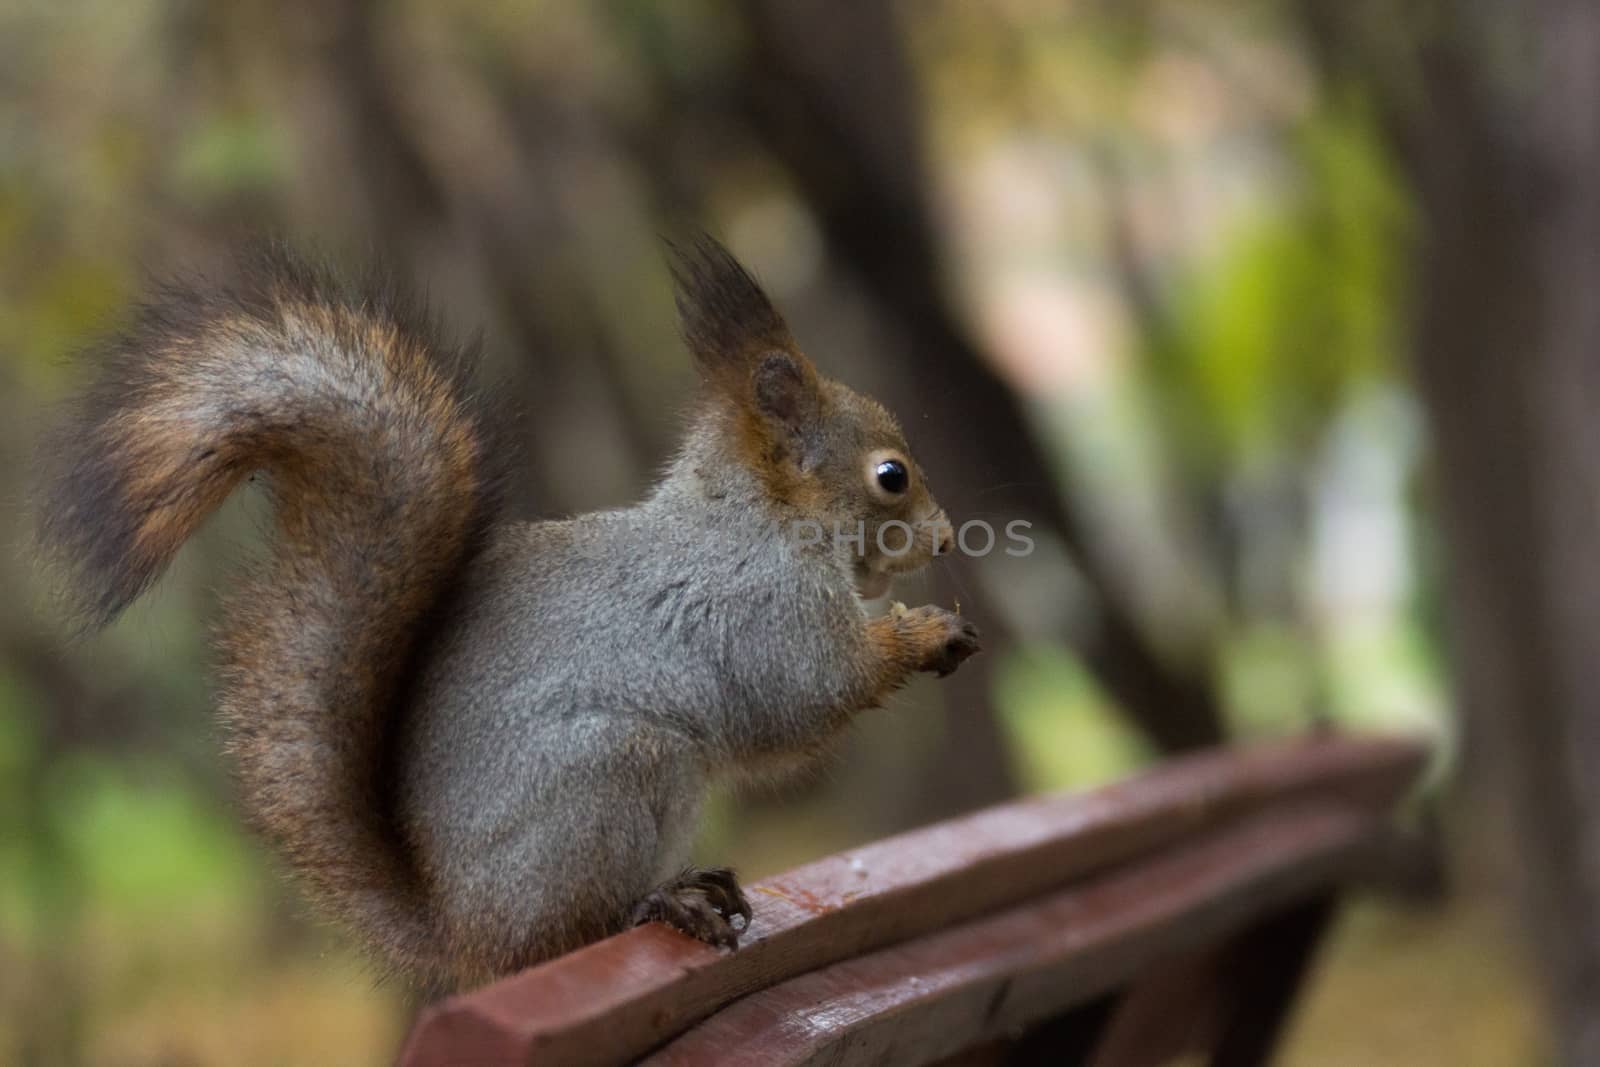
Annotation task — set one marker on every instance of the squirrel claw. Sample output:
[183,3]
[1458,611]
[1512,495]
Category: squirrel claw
[700,902]
[939,640]
[962,643]
[947,638]
[721,887]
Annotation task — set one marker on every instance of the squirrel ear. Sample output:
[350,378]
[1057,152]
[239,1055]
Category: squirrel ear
[788,402]
[744,347]
[727,321]
[786,391]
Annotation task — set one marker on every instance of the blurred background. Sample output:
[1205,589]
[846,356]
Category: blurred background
[1276,318]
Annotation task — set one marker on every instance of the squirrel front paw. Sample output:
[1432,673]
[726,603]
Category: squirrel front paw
[701,902]
[945,639]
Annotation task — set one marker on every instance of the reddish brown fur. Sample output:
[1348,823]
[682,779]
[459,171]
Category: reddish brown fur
[377,468]
[920,639]
[731,326]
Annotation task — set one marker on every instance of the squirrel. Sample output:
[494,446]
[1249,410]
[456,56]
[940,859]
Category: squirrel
[481,743]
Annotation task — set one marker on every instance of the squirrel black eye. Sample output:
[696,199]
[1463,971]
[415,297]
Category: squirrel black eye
[892,476]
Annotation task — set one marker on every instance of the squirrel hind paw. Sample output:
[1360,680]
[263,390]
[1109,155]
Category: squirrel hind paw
[702,902]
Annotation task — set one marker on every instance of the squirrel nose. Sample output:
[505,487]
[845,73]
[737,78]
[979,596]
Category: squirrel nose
[947,542]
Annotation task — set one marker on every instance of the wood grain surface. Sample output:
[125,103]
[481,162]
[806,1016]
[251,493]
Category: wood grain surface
[1230,826]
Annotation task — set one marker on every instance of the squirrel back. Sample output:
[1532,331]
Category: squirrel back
[380,481]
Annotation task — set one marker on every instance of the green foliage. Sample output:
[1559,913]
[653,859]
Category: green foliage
[18,755]
[1063,732]
[231,153]
[1298,308]
[100,833]
[147,839]
[52,302]
[1269,675]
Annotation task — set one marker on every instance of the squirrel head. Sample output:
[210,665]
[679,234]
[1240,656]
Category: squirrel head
[824,453]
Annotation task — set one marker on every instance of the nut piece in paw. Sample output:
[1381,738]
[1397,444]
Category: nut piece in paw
[701,902]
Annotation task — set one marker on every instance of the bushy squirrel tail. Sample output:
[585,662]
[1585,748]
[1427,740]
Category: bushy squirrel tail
[378,473]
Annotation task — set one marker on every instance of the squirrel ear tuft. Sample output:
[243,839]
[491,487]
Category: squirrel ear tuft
[727,321]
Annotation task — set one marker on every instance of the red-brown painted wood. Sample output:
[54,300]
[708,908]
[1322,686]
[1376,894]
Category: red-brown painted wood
[1174,1009]
[916,1002]
[617,1000]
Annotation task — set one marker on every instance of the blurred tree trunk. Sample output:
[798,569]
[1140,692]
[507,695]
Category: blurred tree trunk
[456,201]
[1497,119]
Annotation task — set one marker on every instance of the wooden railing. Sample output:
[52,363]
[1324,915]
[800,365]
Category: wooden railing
[1169,914]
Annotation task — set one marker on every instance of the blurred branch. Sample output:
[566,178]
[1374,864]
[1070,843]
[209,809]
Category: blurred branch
[1160,340]
[498,217]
